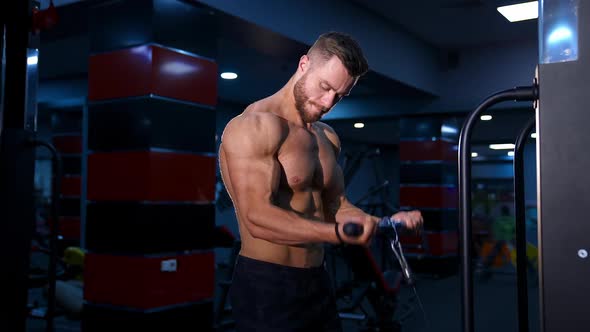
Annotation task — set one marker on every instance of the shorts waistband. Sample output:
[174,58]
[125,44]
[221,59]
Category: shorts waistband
[262,266]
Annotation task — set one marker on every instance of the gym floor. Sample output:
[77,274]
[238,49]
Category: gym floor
[495,306]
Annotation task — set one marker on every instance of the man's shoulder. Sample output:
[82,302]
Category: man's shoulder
[329,132]
[253,127]
[325,126]
[256,121]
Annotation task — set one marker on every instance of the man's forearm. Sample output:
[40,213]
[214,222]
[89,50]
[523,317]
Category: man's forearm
[280,226]
[346,208]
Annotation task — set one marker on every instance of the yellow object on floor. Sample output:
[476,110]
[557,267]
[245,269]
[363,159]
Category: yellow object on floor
[74,256]
[74,259]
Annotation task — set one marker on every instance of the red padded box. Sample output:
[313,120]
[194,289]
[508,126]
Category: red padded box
[428,196]
[151,176]
[427,150]
[71,185]
[151,69]
[69,144]
[148,282]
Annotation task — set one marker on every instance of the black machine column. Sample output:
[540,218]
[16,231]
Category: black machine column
[17,163]
[563,165]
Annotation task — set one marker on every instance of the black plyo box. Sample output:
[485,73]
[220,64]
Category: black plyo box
[144,228]
[148,122]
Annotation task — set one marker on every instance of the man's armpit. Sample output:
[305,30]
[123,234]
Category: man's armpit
[331,207]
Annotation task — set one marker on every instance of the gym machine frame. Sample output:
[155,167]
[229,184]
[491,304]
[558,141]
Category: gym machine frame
[562,172]
[529,93]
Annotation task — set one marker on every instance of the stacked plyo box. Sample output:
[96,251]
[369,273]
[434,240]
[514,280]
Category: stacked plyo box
[150,190]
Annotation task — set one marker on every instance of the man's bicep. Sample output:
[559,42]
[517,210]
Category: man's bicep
[254,179]
[250,144]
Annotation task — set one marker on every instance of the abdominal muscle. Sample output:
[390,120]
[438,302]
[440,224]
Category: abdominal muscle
[307,204]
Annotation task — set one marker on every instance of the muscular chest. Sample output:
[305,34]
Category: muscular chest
[308,161]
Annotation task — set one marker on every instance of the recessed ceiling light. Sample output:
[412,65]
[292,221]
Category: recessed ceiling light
[486,117]
[507,146]
[474,154]
[359,125]
[534,135]
[229,75]
[520,11]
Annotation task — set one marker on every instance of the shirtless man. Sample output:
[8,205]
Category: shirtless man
[279,165]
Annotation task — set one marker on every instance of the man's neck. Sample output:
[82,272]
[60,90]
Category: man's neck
[286,102]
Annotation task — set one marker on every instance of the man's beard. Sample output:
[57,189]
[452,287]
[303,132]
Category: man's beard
[301,100]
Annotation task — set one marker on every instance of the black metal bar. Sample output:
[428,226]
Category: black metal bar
[519,208]
[517,94]
[2,66]
[17,166]
[18,20]
[17,220]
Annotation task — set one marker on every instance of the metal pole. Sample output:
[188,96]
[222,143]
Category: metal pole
[17,41]
[519,208]
[17,164]
[517,94]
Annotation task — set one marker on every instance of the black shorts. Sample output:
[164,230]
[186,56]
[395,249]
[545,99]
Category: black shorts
[272,297]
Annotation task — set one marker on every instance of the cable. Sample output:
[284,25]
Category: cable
[385,224]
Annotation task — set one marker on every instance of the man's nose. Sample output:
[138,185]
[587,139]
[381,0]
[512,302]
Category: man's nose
[328,100]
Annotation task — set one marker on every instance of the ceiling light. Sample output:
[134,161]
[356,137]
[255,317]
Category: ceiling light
[508,146]
[511,153]
[534,135]
[359,125]
[32,60]
[520,11]
[486,117]
[228,75]
[474,154]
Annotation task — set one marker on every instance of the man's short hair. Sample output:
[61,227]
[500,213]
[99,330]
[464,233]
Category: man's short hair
[345,48]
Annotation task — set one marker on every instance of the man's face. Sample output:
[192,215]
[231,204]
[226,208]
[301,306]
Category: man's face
[323,85]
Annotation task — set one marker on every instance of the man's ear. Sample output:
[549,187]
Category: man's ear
[303,63]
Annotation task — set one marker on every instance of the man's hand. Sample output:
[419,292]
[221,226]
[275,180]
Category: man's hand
[411,219]
[366,221]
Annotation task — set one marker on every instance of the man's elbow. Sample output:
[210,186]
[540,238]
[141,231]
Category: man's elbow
[252,224]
